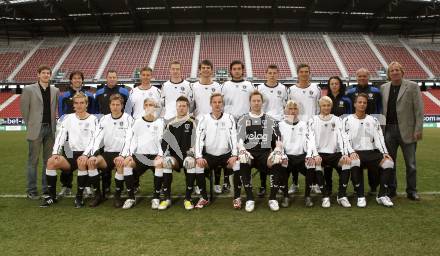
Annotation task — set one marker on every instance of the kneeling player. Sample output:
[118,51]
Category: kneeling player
[299,152]
[178,141]
[112,132]
[325,133]
[366,146]
[143,151]
[80,128]
[257,135]
[216,144]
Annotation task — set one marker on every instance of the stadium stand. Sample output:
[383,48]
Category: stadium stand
[4,96]
[221,48]
[310,48]
[87,55]
[430,55]
[430,107]
[12,110]
[48,54]
[11,54]
[266,48]
[168,53]
[355,53]
[132,52]
[392,50]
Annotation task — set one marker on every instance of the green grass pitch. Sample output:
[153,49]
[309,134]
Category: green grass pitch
[410,228]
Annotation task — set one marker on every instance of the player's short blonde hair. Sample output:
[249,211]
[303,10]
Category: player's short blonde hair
[291,104]
[150,100]
[80,95]
[325,99]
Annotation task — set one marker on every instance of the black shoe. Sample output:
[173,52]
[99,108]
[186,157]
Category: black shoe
[48,201]
[117,201]
[392,194]
[261,192]
[308,201]
[96,200]
[79,203]
[226,188]
[413,196]
[33,196]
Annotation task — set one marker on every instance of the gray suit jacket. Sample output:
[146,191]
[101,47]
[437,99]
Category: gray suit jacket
[31,106]
[409,108]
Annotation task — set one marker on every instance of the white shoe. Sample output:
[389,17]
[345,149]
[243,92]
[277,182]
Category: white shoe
[326,202]
[273,205]
[316,189]
[385,201]
[361,203]
[88,193]
[197,190]
[65,191]
[293,188]
[217,189]
[165,204]
[155,204]
[129,203]
[250,206]
[343,201]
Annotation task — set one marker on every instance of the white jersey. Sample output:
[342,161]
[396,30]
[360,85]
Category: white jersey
[274,100]
[145,138]
[236,95]
[296,140]
[307,100]
[363,134]
[202,94]
[135,102]
[326,134]
[111,133]
[170,92]
[79,131]
[217,136]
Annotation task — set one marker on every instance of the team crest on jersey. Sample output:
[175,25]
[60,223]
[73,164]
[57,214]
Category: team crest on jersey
[121,123]
[105,94]
[325,125]
[187,126]
[341,104]
[279,93]
[213,89]
[300,129]
[367,124]
[244,87]
[248,122]
[370,95]
[311,93]
[236,86]
[182,88]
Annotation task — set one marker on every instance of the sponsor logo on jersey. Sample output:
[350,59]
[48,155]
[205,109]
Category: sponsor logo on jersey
[341,104]
[255,136]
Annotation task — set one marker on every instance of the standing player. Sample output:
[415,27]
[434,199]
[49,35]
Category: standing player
[203,89]
[325,132]
[102,98]
[216,144]
[306,95]
[178,143]
[80,128]
[299,152]
[236,94]
[143,151]
[65,106]
[173,89]
[275,97]
[366,146]
[257,134]
[135,102]
[112,132]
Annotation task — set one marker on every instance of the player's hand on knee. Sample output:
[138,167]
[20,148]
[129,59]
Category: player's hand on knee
[92,161]
[201,162]
[119,162]
[310,162]
[231,161]
[354,156]
[189,162]
[345,160]
[128,160]
[82,160]
[318,160]
[387,157]
[158,161]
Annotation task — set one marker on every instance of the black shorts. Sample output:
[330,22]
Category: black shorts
[216,161]
[370,158]
[297,163]
[143,163]
[73,161]
[331,160]
[179,161]
[108,158]
[260,160]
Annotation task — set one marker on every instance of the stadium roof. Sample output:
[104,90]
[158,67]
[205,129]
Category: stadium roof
[30,18]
